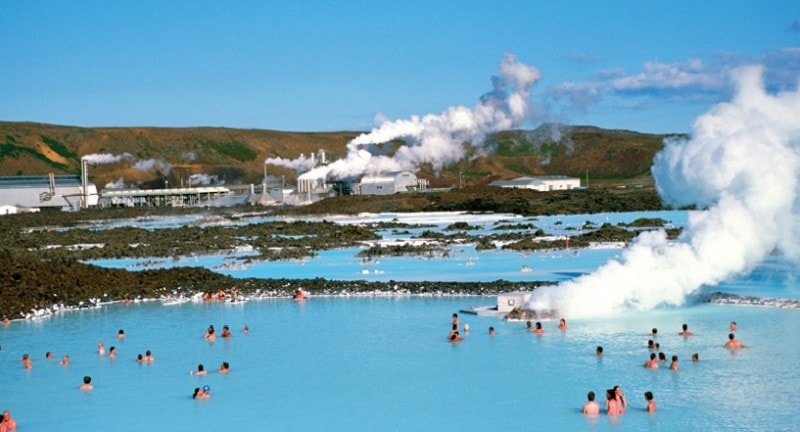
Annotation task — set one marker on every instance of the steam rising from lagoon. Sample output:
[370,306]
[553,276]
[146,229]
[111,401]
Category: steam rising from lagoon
[740,165]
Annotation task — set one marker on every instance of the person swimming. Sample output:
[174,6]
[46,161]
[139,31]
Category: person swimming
[733,343]
[224,368]
[613,407]
[101,349]
[226,332]
[87,383]
[201,370]
[562,324]
[620,396]
[64,360]
[491,331]
[7,423]
[26,361]
[674,364]
[121,334]
[591,407]
[599,351]
[652,363]
[538,329]
[455,337]
[203,393]
[651,404]
[685,331]
[112,353]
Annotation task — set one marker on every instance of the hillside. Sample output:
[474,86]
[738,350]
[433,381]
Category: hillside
[159,155]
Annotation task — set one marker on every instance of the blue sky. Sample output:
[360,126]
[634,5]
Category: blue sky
[339,65]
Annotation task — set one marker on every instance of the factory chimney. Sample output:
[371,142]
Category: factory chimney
[84,183]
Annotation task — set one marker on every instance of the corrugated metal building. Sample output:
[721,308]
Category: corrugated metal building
[53,191]
[176,197]
[388,183]
[542,183]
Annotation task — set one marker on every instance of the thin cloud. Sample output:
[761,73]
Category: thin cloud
[583,57]
[697,80]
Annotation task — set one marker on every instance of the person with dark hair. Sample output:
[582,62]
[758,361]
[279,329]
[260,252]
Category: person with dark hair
[455,337]
[87,383]
[121,334]
[662,358]
[613,406]
[562,324]
[652,363]
[203,393]
[491,331]
[651,344]
[201,370]
[654,332]
[224,368]
[695,357]
[733,343]
[651,404]
[599,351]
[453,330]
[591,407]
[538,330]
[674,364]
[685,331]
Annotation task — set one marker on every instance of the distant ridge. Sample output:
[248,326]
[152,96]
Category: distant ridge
[164,155]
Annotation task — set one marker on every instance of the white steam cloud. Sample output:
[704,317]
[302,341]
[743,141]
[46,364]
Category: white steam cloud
[435,139]
[119,184]
[202,179]
[105,158]
[742,164]
[149,164]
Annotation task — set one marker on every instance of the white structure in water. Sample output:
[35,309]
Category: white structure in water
[541,184]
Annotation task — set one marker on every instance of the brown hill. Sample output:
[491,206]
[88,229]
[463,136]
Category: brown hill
[237,155]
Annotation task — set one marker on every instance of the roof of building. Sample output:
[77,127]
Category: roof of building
[531,180]
[8,182]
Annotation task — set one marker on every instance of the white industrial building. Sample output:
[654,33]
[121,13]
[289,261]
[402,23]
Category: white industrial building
[175,197]
[50,191]
[541,184]
[388,183]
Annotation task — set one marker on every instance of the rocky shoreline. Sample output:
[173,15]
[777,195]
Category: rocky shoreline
[33,287]
[41,271]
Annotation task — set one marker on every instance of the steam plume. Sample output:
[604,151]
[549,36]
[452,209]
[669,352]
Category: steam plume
[149,164]
[105,158]
[742,164]
[436,139]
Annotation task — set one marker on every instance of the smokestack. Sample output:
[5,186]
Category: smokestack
[322,157]
[84,183]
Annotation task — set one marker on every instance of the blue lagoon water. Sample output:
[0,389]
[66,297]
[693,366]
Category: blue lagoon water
[382,363]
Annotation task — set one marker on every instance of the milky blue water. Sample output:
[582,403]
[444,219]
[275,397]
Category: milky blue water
[382,363]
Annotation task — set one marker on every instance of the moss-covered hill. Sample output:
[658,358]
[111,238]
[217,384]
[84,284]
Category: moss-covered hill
[237,155]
